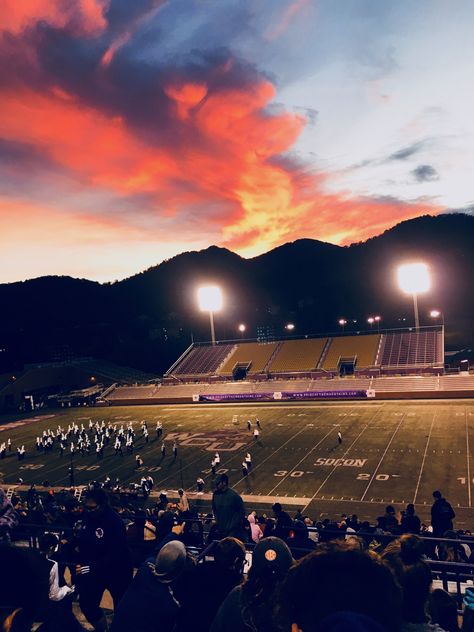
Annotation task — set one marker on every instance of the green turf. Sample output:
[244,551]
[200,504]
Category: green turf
[392,452]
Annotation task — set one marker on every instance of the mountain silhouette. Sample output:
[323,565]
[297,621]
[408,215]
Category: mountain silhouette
[149,319]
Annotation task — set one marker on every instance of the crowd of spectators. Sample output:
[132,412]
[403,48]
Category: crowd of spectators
[192,570]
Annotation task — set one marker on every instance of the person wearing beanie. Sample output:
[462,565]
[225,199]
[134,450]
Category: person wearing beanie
[204,588]
[251,605]
[149,604]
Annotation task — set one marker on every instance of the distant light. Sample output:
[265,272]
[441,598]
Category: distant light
[210,298]
[435,313]
[342,322]
[377,318]
[92,378]
[242,327]
[371,320]
[290,326]
[414,278]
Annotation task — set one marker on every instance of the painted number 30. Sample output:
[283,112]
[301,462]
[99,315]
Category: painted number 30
[295,474]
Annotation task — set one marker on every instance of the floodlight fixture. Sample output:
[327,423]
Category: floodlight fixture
[242,329]
[342,322]
[289,326]
[414,279]
[210,300]
[435,313]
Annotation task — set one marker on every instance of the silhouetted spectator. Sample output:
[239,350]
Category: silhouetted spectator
[410,522]
[228,508]
[442,515]
[148,605]
[250,606]
[340,587]
[203,589]
[283,522]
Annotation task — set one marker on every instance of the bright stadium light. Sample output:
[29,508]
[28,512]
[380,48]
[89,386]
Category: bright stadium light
[414,279]
[289,326]
[242,329]
[371,321]
[342,322]
[210,300]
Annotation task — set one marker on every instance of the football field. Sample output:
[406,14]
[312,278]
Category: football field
[391,453]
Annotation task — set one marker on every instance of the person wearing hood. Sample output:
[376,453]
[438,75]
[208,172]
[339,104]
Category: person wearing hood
[299,541]
[8,517]
[256,531]
[149,603]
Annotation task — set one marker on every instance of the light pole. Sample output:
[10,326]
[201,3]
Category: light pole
[414,279]
[377,320]
[289,327]
[210,300]
[371,321]
[342,322]
[242,329]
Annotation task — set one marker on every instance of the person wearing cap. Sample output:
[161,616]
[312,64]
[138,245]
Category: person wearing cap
[228,508]
[251,605]
[149,604]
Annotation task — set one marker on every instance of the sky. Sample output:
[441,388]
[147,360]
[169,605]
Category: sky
[133,131]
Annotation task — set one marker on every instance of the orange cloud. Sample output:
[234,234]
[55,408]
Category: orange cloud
[83,16]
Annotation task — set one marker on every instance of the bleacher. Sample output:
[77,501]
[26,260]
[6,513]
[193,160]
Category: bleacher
[203,360]
[410,349]
[297,355]
[133,392]
[254,354]
[362,349]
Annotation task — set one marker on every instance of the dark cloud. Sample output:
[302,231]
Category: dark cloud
[407,152]
[425,173]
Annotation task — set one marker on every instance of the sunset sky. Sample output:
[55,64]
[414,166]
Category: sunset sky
[133,130]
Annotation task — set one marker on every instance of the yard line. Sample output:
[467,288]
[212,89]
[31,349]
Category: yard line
[305,456]
[468,465]
[424,457]
[346,452]
[273,454]
[383,456]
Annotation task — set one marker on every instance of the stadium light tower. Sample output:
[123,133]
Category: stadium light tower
[210,300]
[342,322]
[289,327]
[242,329]
[371,321]
[414,279]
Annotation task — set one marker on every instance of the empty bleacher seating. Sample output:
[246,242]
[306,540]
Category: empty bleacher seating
[362,348]
[254,353]
[297,355]
[203,360]
[414,348]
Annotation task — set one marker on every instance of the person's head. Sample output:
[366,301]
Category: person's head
[95,500]
[410,509]
[221,482]
[437,495]
[180,492]
[48,543]
[277,509]
[390,510]
[271,561]
[405,558]
[170,562]
[229,554]
[443,610]
[348,580]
